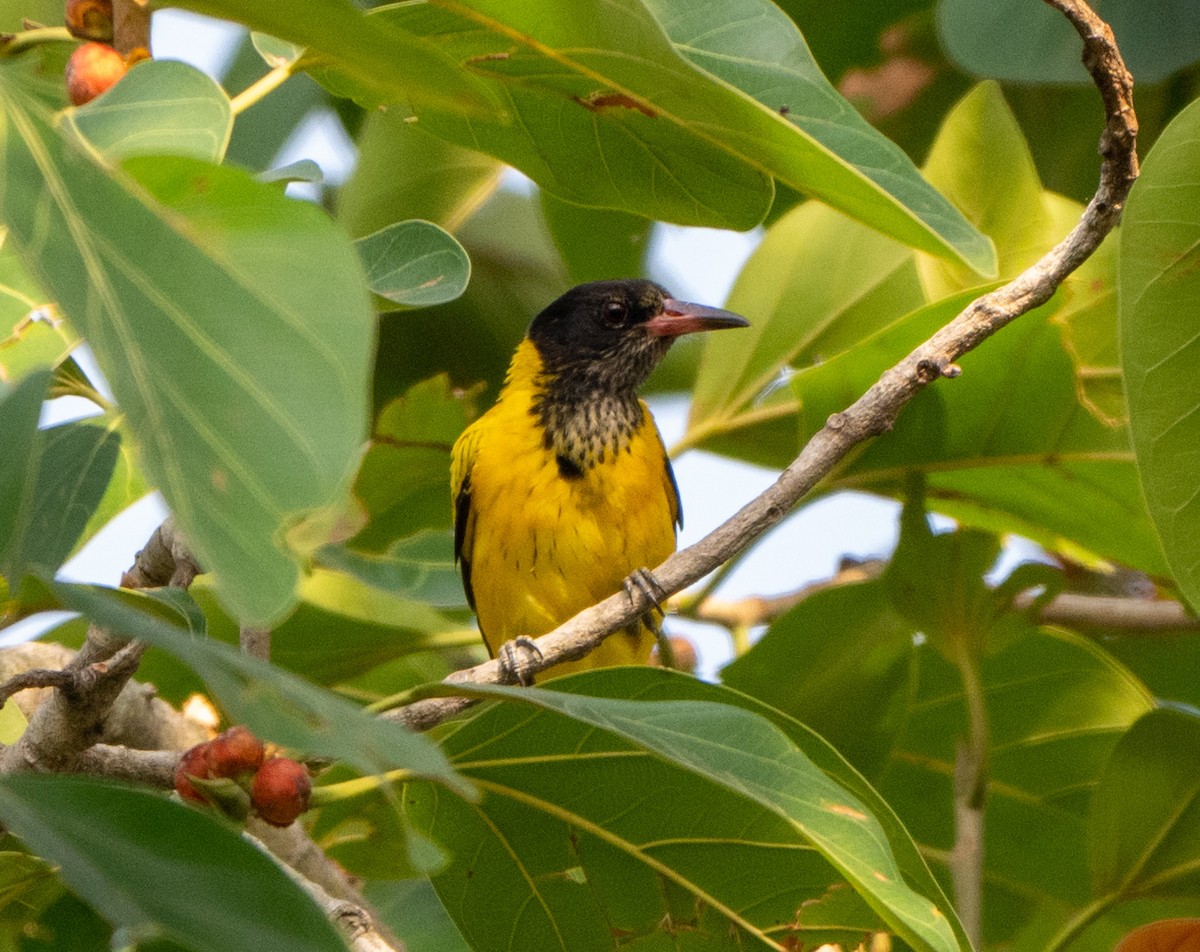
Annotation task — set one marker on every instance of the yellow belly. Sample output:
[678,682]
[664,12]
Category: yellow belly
[544,547]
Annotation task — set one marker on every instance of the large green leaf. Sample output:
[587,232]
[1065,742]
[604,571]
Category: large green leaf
[981,160]
[606,102]
[339,631]
[1001,450]
[833,662]
[177,295]
[1056,705]
[647,803]
[162,107]
[389,61]
[1144,833]
[755,47]
[148,863]
[816,285]
[1159,351]
[1034,43]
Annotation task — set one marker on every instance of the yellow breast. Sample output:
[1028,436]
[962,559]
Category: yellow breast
[541,546]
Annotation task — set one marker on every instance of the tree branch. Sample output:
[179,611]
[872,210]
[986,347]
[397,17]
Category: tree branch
[877,410]
[73,718]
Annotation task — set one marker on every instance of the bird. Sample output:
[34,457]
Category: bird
[563,493]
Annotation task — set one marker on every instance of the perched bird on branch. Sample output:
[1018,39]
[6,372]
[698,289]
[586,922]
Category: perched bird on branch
[563,492]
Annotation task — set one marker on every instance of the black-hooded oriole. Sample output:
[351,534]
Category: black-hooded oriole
[563,488]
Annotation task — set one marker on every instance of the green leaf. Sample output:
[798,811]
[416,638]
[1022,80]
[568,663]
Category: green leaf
[981,161]
[304,170]
[161,107]
[75,466]
[596,244]
[176,300]
[275,52]
[1088,318]
[415,915]
[31,337]
[558,815]
[515,272]
[404,481]
[122,849]
[816,286]
[340,631]
[27,883]
[415,264]
[596,151]
[389,61]
[833,662]
[271,702]
[420,567]
[755,47]
[126,486]
[1144,832]
[404,172]
[20,408]
[1031,43]
[1056,705]
[1001,453]
[623,97]
[1159,353]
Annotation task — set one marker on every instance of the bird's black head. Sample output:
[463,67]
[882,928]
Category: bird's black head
[609,335]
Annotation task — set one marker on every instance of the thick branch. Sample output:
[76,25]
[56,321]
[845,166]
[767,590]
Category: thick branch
[876,411]
[73,718]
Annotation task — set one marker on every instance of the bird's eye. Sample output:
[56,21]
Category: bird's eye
[615,313]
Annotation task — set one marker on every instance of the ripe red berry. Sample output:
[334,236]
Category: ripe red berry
[193,763]
[281,790]
[234,752]
[92,69]
[90,19]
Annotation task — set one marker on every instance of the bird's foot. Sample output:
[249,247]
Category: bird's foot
[643,580]
[517,658]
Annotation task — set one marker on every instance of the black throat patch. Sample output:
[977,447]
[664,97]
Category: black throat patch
[585,428]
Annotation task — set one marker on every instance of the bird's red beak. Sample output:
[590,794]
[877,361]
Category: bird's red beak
[680,317]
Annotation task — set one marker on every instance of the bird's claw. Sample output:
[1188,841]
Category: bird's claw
[643,580]
[517,658]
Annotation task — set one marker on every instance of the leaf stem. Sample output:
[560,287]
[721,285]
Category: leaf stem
[970,793]
[260,88]
[1080,921]
[358,787]
[27,39]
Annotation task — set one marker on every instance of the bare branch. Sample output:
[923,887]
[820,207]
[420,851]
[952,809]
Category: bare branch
[877,410]
[73,718]
[153,768]
[326,882]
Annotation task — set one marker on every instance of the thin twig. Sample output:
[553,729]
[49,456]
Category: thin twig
[876,411]
[1122,614]
[255,642]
